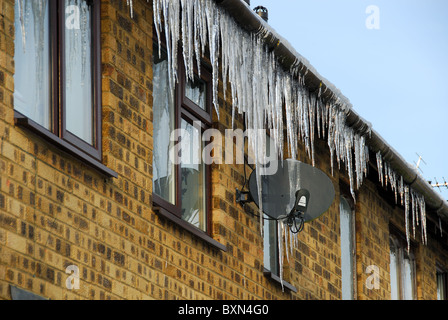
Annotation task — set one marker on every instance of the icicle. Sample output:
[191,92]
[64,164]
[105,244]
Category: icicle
[401,190]
[285,239]
[280,230]
[379,161]
[22,22]
[406,216]
[131,5]
[423,219]
[414,208]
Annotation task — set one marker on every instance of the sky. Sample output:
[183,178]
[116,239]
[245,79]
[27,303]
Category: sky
[391,62]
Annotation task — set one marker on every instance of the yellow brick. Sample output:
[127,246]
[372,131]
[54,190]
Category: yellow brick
[16,242]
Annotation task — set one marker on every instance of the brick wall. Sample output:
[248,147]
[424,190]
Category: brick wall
[55,211]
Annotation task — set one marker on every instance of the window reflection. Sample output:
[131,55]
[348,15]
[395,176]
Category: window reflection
[193,177]
[32,61]
[197,92]
[163,112]
[78,72]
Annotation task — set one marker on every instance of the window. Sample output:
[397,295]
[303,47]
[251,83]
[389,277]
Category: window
[441,284]
[58,71]
[270,243]
[181,180]
[402,270]
[271,252]
[347,249]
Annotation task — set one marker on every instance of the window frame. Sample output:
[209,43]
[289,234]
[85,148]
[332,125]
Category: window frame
[57,134]
[185,109]
[400,244]
[94,150]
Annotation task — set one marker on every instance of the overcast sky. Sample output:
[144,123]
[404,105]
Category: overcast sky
[390,61]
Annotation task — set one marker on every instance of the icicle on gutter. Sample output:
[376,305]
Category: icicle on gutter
[260,88]
[413,202]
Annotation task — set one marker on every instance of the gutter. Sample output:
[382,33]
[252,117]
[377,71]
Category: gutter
[290,59]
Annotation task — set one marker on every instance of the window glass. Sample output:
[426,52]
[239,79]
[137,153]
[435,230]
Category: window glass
[197,92]
[270,246]
[441,286]
[32,61]
[346,250]
[402,270]
[193,177]
[78,70]
[164,173]
[394,272]
[408,278]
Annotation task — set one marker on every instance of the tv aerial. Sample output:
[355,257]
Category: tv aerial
[297,193]
[440,185]
[419,162]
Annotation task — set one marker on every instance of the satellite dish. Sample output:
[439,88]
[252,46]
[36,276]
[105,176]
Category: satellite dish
[297,193]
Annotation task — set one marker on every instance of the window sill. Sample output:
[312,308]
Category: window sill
[268,274]
[24,122]
[192,229]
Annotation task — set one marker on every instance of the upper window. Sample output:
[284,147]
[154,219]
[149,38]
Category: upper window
[402,270]
[57,69]
[347,249]
[180,177]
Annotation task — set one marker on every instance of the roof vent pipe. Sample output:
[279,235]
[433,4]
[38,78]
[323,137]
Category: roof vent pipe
[262,12]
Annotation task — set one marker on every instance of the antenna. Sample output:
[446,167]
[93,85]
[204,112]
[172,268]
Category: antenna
[440,185]
[420,160]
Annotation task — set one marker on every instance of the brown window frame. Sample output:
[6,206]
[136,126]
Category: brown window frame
[58,134]
[93,150]
[187,110]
